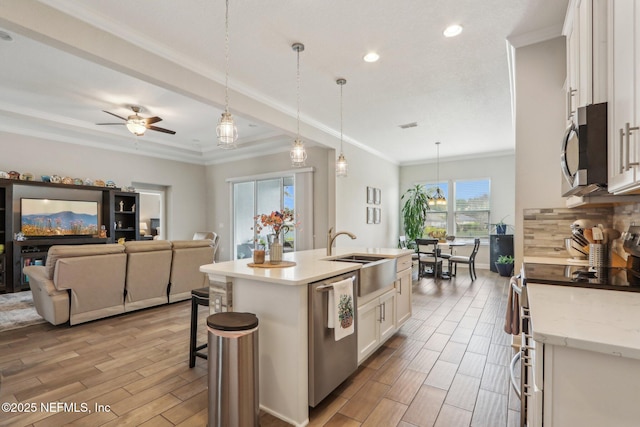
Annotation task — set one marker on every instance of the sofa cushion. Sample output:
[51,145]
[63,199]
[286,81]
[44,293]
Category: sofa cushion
[182,244]
[70,251]
[147,246]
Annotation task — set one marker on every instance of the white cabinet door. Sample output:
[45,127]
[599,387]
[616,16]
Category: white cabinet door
[623,143]
[388,315]
[368,328]
[403,297]
[573,59]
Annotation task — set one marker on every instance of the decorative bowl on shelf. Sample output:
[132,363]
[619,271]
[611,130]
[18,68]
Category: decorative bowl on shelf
[45,178]
[99,183]
[4,175]
[67,180]
[56,179]
[27,176]
[14,175]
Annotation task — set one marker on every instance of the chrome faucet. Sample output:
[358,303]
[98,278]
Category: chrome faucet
[331,238]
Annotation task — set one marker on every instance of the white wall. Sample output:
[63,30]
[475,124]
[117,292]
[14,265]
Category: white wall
[500,169]
[366,170]
[540,125]
[43,157]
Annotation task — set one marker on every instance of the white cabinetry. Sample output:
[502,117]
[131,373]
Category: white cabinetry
[624,105]
[583,388]
[403,290]
[585,29]
[376,322]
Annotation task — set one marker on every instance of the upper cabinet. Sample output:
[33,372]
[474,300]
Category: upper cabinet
[585,29]
[624,102]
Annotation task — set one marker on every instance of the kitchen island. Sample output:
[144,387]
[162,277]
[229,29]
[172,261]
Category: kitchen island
[279,298]
[586,357]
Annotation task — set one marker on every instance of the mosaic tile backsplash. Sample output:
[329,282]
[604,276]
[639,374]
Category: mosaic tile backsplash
[546,229]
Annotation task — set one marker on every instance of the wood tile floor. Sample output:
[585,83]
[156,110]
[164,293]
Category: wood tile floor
[447,367]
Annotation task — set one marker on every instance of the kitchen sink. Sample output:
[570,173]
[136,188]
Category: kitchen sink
[376,272]
[364,259]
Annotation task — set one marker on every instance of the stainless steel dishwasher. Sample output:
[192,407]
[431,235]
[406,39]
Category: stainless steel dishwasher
[330,361]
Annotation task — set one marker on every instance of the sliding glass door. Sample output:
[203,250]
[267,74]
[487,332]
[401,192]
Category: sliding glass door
[255,197]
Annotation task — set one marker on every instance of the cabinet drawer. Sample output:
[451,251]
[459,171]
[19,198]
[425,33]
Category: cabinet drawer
[403,263]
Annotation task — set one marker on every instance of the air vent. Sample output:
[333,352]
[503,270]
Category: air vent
[408,125]
[6,37]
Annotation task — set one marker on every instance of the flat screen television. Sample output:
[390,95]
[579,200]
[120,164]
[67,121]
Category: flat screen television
[51,218]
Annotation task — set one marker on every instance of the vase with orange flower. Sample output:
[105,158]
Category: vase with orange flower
[280,223]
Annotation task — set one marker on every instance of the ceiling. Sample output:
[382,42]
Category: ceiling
[71,59]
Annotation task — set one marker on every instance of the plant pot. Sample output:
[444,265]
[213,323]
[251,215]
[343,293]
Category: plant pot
[501,228]
[505,270]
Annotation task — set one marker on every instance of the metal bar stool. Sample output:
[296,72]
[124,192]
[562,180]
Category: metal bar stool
[198,297]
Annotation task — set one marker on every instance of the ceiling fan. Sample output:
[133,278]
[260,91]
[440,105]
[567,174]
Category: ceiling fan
[136,124]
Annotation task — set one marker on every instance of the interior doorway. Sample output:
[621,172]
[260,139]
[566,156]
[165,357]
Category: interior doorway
[153,222]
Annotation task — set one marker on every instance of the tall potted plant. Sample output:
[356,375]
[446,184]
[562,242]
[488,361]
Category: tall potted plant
[414,212]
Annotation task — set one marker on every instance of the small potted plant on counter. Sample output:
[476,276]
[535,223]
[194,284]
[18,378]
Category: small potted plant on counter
[504,264]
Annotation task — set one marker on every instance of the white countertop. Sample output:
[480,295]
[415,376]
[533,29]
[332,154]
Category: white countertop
[589,319]
[311,265]
[555,260]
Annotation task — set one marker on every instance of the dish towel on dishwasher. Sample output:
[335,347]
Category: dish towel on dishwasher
[341,310]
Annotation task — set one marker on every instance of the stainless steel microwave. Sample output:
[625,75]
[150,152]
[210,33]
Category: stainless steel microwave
[583,157]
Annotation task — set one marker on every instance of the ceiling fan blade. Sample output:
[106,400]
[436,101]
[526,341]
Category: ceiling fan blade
[152,120]
[110,124]
[161,130]
[120,117]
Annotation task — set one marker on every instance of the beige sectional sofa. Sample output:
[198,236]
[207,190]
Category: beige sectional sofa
[80,283]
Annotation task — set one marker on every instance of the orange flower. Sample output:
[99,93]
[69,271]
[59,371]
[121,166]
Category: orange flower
[276,220]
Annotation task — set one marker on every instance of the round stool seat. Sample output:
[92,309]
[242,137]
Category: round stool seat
[200,292]
[232,321]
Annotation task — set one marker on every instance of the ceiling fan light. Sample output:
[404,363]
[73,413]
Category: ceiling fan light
[298,154]
[137,126]
[342,167]
[226,131]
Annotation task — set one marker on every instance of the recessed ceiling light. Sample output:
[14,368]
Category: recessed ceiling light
[371,57]
[452,30]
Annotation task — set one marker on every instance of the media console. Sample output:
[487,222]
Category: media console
[118,213]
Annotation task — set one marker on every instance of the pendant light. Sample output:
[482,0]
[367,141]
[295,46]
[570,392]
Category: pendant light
[342,166]
[226,130]
[438,197]
[298,153]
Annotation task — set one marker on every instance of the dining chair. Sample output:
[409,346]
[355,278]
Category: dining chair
[402,244]
[428,256]
[470,260]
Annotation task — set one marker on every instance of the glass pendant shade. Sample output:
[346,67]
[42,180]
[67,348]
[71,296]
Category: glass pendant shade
[298,154]
[342,167]
[226,131]
[136,125]
[438,198]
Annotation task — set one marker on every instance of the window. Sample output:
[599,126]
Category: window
[471,215]
[468,214]
[437,217]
